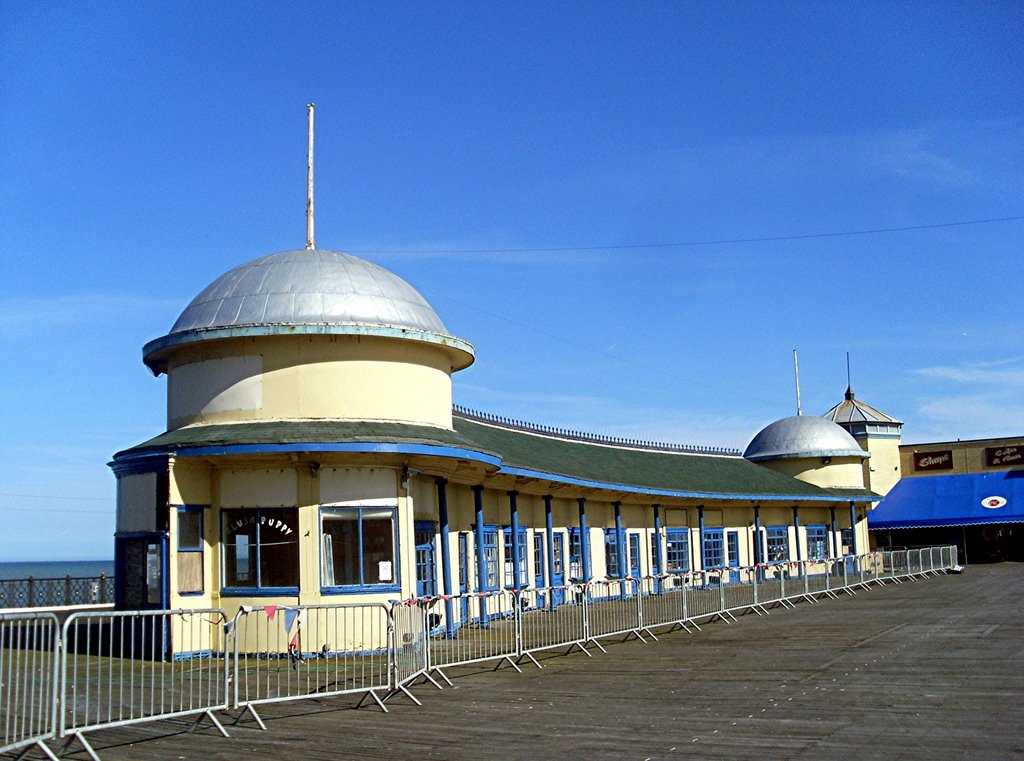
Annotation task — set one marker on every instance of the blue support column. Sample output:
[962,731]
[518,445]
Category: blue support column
[481,560]
[513,508]
[549,527]
[796,531]
[620,540]
[446,555]
[658,558]
[835,541]
[853,528]
[584,539]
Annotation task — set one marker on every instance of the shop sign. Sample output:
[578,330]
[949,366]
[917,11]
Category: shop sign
[933,460]
[1000,457]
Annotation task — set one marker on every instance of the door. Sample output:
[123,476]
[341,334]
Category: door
[538,568]
[464,573]
[558,570]
[734,557]
[633,543]
[426,575]
[141,583]
[714,554]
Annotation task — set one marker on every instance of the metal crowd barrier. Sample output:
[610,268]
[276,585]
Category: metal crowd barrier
[134,666]
[282,653]
[29,646]
[109,669]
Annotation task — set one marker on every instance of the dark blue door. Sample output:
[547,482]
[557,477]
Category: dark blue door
[464,570]
[426,576]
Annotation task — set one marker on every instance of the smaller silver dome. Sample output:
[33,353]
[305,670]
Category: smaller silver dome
[802,436]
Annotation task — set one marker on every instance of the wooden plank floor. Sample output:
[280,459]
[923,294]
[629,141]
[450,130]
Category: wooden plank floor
[932,669]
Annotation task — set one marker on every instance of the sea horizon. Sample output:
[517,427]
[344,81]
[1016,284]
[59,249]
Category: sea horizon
[54,569]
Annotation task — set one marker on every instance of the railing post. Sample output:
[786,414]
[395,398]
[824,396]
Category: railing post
[67,589]
[721,593]
[803,570]
[31,603]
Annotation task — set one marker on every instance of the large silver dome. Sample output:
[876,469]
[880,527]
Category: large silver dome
[308,292]
[309,286]
[802,436]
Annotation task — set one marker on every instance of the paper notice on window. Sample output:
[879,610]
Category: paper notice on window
[384,570]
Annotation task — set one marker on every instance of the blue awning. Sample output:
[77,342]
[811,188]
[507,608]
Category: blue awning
[962,500]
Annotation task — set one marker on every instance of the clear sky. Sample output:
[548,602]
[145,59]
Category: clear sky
[146,148]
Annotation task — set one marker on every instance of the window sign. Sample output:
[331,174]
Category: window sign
[261,550]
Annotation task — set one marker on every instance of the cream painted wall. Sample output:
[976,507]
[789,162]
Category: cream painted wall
[136,502]
[259,487]
[842,472]
[883,467]
[286,377]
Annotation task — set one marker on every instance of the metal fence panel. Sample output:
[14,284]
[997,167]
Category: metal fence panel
[408,642]
[488,627]
[613,607]
[552,617]
[29,644]
[291,652]
[124,667]
[663,600]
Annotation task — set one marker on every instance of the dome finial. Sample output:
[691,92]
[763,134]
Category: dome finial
[310,245]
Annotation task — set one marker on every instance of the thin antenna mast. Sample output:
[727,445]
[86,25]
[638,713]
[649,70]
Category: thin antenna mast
[310,245]
[796,370]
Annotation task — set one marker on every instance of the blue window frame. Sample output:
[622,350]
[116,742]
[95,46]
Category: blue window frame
[524,568]
[426,568]
[261,551]
[777,544]
[677,550]
[846,539]
[490,547]
[714,548]
[817,543]
[190,547]
[612,564]
[357,549]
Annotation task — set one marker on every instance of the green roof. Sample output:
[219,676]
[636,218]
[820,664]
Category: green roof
[641,468]
[521,452]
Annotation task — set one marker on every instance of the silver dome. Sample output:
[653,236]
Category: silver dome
[308,292]
[802,436]
[303,287]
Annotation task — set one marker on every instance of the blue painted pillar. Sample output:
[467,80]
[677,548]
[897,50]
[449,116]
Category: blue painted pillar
[853,528]
[835,546]
[549,527]
[481,559]
[700,523]
[513,508]
[796,531]
[659,568]
[584,538]
[446,554]
[757,535]
[620,540]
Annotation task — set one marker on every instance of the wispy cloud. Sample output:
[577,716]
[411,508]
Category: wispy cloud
[75,309]
[1006,373]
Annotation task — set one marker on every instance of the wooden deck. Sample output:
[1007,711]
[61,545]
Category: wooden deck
[928,669]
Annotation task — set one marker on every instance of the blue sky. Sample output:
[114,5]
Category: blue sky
[145,148]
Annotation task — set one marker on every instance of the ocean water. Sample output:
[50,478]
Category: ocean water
[53,569]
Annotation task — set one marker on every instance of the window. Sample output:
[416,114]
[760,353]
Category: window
[358,547]
[846,537]
[426,573]
[655,554]
[612,566]
[490,547]
[777,539]
[714,548]
[677,550]
[261,551]
[817,543]
[190,549]
[524,569]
